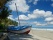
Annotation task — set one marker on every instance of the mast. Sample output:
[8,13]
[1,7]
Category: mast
[17,14]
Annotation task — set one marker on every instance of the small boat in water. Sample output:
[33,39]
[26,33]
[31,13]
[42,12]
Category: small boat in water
[19,29]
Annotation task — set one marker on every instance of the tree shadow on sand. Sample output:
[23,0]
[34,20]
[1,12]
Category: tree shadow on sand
[21,37]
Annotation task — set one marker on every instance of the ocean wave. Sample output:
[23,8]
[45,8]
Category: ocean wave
[42,29]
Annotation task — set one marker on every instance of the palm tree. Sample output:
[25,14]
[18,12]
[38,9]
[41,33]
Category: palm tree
[3,16]
[4,12]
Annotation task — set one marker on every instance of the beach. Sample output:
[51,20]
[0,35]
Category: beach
[42,34]
[33,35]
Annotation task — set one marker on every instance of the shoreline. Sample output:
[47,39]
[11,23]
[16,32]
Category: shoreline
[42,29]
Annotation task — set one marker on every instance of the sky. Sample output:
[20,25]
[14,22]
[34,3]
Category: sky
[38,13]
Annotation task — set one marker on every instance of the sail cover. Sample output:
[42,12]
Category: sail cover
[17,28]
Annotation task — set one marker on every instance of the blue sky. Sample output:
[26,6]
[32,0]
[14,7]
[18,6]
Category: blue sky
[38,13]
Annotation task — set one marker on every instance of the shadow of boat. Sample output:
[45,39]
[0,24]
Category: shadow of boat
[19,36]
[12,36]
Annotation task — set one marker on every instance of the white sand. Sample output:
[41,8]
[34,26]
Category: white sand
[42,34]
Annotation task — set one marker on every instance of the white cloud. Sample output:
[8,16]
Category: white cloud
[23,17]
[36,14]
[49,19]
[35,2]
[32,16]
[39,24]
[50,22]
[42,24]
[29,1]
[21,5]
[11,17]
[40,13]
[51,0]
[24,23]
[52,4]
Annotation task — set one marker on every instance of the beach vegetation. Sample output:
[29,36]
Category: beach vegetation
[4,13]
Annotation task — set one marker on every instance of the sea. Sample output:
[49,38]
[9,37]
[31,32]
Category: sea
[43,28]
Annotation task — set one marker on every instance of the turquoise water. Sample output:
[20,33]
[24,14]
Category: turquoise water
[43,27]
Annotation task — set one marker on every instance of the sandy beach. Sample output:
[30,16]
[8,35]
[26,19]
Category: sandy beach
[33,35]
[42,34]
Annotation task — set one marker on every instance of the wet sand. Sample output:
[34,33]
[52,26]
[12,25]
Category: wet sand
[33,35]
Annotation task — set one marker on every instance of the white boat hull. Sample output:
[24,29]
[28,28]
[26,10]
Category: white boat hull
[26,31]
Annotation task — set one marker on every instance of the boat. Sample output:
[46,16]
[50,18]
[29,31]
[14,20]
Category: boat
[25,29]
[19,29]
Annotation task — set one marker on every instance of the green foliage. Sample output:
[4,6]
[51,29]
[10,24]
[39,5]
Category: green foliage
[11,22]
[2,26]
[4,13]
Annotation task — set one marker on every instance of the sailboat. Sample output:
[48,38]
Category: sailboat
[25,29]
